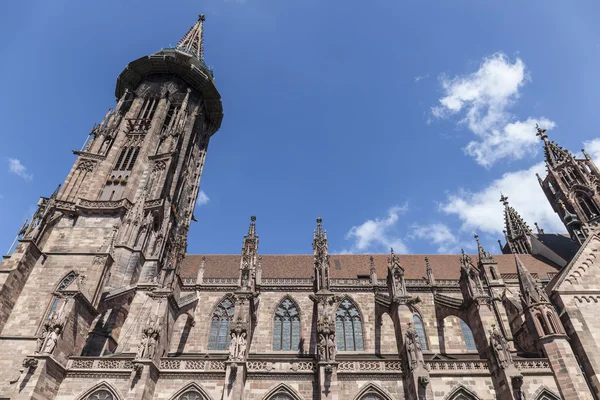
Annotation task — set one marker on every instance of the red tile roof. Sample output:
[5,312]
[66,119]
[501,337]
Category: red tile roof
[445,266]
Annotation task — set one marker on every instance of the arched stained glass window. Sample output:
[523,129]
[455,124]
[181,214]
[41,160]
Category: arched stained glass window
[101,395]
[468,336]
[191,395]
[219,325]
[286,326]
[348,327]
[418,323]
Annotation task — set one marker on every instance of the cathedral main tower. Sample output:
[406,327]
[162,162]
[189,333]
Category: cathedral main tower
[101,254]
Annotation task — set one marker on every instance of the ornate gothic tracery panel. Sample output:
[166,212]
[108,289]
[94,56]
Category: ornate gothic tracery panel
[348,327]
[286,326]
[101,395]
[219,325]
[191,395]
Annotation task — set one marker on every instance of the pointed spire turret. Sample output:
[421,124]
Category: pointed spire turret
[516,229]
[553,152]
[249,257]
[531,293]
[429,272]
[321,258]
[483,255]
[193,41]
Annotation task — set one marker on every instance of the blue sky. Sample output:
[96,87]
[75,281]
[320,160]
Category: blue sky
[397,122]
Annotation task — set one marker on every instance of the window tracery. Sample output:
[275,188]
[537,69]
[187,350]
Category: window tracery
[191,395]
[286,326]
[219,326]
[101,394]
[348,327]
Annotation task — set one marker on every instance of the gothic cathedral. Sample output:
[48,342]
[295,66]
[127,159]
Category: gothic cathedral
[99,300]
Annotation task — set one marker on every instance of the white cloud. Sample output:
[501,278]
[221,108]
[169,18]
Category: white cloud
[438,234]
[592,147]
[482,211]
[202,199]
[421,77]
[376,235]
[15,166]
[484,98]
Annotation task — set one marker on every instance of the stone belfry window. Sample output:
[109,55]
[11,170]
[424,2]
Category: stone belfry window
[348,327]
[286,326]
[219,325]
[148,108]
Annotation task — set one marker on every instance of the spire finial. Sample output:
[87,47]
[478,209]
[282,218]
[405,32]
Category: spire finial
[503,199]
[541,132]
[539,230]
[193,41]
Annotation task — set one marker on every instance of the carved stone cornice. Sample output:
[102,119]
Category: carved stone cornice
[103,206]
[89,156]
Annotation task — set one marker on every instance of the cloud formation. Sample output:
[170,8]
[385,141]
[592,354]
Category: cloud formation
[482,211]
[202,199]
[377,235]
[15,167]
[439,234]
[483,99]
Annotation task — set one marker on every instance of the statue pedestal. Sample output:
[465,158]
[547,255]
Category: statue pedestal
[328,386]
[235,380]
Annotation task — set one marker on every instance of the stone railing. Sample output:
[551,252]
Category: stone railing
[191,365]
[461,367]
[269,366]
[286,281]
[533,365]
[153,203]
[369,366]
[65,205]
[220,281]
[99,363]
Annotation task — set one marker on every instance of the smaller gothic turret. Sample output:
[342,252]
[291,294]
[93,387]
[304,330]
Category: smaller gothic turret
[470,280]
[540,315]
[487,265]
[249,258]
[516,230]
[321,263]
[571,187]
[396,282]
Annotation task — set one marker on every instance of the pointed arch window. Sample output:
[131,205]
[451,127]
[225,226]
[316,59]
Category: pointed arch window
[101,395]
[468,336]
[420,328]
[191,395]
[348,327]
[587,205]
[286,326]
[62,285]
[219,325]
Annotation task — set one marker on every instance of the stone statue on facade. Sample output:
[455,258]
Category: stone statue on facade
[51,340]
[500,348]
[149,342]
[413,348]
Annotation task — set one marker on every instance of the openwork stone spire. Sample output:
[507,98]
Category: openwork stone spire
[531,293]
[321,254]
[193,41]
[553,152]
[515,229]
